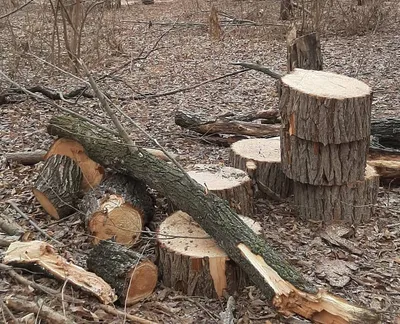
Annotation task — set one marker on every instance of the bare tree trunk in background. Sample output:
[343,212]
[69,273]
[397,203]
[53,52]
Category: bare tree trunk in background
[286,9]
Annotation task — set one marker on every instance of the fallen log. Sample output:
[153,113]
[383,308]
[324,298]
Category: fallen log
[387,132]
[26,158]
[277,279]
[203,125]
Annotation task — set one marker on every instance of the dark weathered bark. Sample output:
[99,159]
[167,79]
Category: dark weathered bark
[387,133]
[204,125]
[305,53]
[131,274]
[286,10]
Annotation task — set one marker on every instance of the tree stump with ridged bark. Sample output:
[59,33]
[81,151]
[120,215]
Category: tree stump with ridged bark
[261,159]
[58,185]
[192,262]
[231,184]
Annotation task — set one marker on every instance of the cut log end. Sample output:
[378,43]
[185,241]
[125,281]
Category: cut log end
[231,184]
[144,276]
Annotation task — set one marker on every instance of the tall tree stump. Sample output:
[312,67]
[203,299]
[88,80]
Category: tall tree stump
[192,262]
[57,187]
[266,170]
[304,52]
[324,115]
[231,184]
[353,202]
[131,274]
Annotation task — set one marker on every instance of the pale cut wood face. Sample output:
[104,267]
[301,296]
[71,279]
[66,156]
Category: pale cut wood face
[259,149]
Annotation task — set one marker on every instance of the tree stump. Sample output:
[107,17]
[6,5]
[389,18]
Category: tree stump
[231,184]
[131,274]
[304,52]
[354,202]
[192,262]
[92,172]
[118,207]
[58,186]
[267,173]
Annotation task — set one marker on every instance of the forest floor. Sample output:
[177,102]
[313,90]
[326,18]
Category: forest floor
[185,55]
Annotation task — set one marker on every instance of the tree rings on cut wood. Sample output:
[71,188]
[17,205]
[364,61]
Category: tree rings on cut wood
[317,164]
[325,107]
[117,208]
[57,187]
[354,203]
[190,261]
[267,171]
[231,184]
[131,274]
[92,172]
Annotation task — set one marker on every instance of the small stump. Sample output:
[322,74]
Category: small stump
[266,170]
[231,184]
[190,261]
[131,274]
[354,203]
[58,186]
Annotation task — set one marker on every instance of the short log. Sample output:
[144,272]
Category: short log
[57,187]
[192,262]
[354,203]
[92,172]
[231,184]
[131,274]
[26,158]
[325,107]
[317,164]
[119,207]
[266,154]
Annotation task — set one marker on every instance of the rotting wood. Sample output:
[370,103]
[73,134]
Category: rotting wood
[26,158]
[191,261]
[44,255]
[214,215]
[58,186]
[131,274]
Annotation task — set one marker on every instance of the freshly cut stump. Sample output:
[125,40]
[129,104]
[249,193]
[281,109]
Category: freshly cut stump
[119,207]
[325,107]
[131,274]
[317,164]
[353,202]
[57,187]
[231,184]
[92,172]
[192,262]
[266,170]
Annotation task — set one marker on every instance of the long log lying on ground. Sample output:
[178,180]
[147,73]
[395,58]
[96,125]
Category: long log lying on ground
[277,279]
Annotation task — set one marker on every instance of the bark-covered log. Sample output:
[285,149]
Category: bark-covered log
[131,274]
[304,52]
[354,203]
[192,262]
[209,126]
[233,185]
[325,107]
[26,158]
[57,187]
[266,268]
[387,132]
[266,154]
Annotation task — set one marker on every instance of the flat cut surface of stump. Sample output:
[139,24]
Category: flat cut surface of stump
[190,261]
[354,203]
[317,164]
[231,184]
[266,154]
[325,107]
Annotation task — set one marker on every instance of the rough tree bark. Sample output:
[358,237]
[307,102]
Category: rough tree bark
[304,52]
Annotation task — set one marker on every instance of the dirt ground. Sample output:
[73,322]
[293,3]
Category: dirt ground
[181,55]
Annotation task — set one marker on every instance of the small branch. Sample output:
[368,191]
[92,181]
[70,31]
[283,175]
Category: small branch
[227,317]
[9,226]
[14,11]
[258,67]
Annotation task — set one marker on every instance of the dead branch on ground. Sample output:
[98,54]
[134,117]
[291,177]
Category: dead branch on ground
[258,67]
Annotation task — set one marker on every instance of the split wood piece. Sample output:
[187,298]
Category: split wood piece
[251,252]
[304,52]
[231,184]
[204,125]
[44,255]
[92,171]
[317,164]
[325,107]
[387,170]
[119,207]
[58,185]
[132,275]
[26,158]
[354,203]
[190,261]
[266,154]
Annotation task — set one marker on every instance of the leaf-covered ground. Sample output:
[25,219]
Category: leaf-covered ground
[182,55]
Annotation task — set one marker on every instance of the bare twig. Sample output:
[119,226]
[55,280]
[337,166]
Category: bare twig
[258,67]
[14,11]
